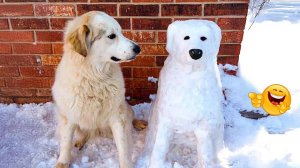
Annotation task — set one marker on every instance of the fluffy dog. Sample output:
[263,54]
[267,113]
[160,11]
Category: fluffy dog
[189,97]
[89,87]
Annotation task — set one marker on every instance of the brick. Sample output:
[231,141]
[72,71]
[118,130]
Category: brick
[127,72]
[19,36]
[232,23]
[45,71]
[25,48]
[25,0]
[43,92]
[2,82]
[181,10]
[228,60]
[55,10]
[5,48]
[6,100]
[124,23]
[139,84]
[139,10]
[153,49]
[160,60]
[49,36]
[94,1]
[25,100]
[19,60]
[32,23]
[232,37]
[141,61]
[142,37]
[4,24]
[16,10]
[162,37]
[145,72]
[68,1]
[110,9]
[230,49]
[8,92]
[156,1]
[58,23]
[9,71]
[196,0]
[196,18]
[58,48]
[28,82]
[142,94]
[150,24]
[234,1]
[226,9]
[51,59]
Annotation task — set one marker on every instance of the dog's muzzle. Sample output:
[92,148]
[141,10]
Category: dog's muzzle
[195,53]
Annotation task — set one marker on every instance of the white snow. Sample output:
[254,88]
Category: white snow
[28,137]
[269,55]
[152,79]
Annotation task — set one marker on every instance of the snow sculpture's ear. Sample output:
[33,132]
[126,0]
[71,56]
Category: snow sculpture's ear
[216,32]
[170,37]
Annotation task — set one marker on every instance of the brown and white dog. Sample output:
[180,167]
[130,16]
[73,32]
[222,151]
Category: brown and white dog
[89,87]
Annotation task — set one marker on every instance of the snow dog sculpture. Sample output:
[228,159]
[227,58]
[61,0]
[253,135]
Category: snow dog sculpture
[189,97]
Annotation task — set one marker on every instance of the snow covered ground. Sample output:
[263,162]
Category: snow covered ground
[269,55]
[28,137]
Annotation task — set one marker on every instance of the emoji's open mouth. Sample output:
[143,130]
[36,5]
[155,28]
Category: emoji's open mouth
[275,100]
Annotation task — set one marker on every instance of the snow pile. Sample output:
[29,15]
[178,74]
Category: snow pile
[28,136]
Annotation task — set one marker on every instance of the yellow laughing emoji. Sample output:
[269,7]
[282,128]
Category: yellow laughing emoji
[275,100]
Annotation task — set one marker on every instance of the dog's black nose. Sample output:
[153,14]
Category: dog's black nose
[195,53]
[136,49]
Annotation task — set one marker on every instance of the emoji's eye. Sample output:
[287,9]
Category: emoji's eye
[280,91]
[203,38]
[186,37]
[275,90]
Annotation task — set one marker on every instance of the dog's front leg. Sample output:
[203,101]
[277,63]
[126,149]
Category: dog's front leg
[122,133]
[66,134]
[160,147]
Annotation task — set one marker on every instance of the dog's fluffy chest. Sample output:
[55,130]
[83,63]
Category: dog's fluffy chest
[87,101]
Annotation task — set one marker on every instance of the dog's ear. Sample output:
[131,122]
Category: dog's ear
[78,39]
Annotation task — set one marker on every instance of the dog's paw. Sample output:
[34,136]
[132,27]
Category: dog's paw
[79,144]
[139,124]
[62,165]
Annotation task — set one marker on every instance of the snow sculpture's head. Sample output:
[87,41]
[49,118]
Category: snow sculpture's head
[194,41]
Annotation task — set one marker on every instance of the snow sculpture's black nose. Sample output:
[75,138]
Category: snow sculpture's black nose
[136,49]
[195,53]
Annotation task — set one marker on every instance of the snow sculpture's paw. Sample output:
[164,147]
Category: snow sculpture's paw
[160,165]
[256,99]
[141,162]
[62,165]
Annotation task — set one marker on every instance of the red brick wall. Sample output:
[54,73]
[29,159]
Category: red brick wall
[31,33]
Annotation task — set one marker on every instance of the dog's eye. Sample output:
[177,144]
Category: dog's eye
[112,36]
[203,38]
[186,37]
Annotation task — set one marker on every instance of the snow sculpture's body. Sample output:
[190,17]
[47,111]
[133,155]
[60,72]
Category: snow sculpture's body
[189,97]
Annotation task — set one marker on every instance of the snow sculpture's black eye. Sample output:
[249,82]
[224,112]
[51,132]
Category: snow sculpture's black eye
[186,37]
[203,38]
[112,36]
